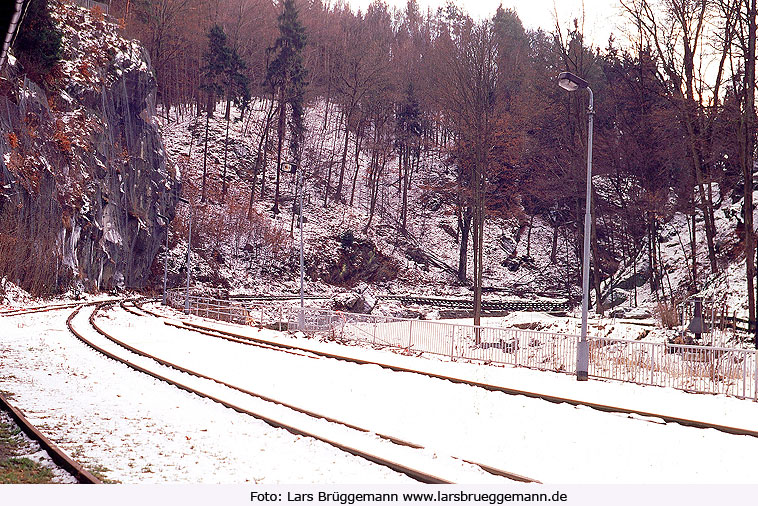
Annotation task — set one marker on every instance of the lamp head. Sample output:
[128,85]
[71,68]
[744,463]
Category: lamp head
[571,82]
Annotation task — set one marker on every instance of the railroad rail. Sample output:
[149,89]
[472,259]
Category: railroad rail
[56,454]
[503,305]
[443,302]
[50,307]
[487,386]
[412,472]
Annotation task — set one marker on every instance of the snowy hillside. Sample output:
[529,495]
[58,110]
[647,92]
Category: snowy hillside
[406,264]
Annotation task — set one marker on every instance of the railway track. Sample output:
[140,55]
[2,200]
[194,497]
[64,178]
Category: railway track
[459,303]
[56,454]
[46,308]
[379,457]
[441,302]
[653,416]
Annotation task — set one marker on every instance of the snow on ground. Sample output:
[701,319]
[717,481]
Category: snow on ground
[134,429]
[34,452]
[555,443]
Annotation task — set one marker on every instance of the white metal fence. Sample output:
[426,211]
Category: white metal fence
[90,4]
[702,369]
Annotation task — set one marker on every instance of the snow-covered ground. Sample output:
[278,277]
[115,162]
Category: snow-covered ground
[134,429]
[143,430]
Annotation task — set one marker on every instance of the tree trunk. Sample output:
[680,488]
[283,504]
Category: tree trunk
[749,162]
[358,143]
[554,248]
[226,146]
[596,273]
[279,141]
[464,224]
[529,236]
[338,191]
[205,150]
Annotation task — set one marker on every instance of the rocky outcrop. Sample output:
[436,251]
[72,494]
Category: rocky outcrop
[84,173]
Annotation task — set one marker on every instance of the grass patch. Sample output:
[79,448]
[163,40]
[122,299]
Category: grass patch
[99,472]
[23,470]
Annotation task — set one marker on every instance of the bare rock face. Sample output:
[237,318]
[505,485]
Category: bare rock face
[84,173]
[359,300]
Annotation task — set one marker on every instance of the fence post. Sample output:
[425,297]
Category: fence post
[652,364]
[281,315]
[410,334]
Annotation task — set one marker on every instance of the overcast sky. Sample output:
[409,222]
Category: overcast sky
[601,16]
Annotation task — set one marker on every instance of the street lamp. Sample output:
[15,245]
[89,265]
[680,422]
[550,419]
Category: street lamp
[165,259]
[571,82]
[189,247]
[293,167]
[189,262]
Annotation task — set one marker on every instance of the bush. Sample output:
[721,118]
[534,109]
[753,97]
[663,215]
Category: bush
[667,315]
[347,238]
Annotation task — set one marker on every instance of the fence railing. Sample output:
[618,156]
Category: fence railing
[89,4]
[702,369]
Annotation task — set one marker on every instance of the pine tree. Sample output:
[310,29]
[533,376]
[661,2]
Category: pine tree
[38,44]
[286,75]
[216,62]
[223,75]
[408,141]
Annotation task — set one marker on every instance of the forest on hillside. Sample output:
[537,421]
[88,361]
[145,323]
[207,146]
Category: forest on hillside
[468,113]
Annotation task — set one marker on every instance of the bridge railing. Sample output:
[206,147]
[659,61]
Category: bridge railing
[702,369]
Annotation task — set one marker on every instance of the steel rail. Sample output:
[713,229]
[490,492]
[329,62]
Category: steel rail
[50,307]
[688,422]
[56,454]
[452,303]
[243,340]
[393,439]
[395,466]
[127,309]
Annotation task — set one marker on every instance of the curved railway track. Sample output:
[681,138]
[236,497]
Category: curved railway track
[56,454]
[409,470]
[46,308]
[221,333]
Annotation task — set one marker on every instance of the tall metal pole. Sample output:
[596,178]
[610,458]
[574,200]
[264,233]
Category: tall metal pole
[165,266]
[583,352]
[301,318]
[189,264]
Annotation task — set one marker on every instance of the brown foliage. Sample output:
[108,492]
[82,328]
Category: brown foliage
[13,140]
[61,137]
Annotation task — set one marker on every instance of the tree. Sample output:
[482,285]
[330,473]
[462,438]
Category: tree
[408,135]
[286,75]
[471,99]
[217,62]
[38,43]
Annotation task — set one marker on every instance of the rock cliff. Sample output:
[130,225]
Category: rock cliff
[85,179]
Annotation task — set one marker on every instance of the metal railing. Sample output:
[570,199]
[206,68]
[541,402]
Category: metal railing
[89,4]
[701,369]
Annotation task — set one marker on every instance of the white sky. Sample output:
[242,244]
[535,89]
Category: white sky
[601,16]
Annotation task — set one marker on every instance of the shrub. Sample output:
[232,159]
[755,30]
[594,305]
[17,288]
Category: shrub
[667,315]
[347,238]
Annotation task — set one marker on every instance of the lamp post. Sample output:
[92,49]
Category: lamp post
[165,259]
[292,168]
[189,247]
[189,263]
[571,82]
